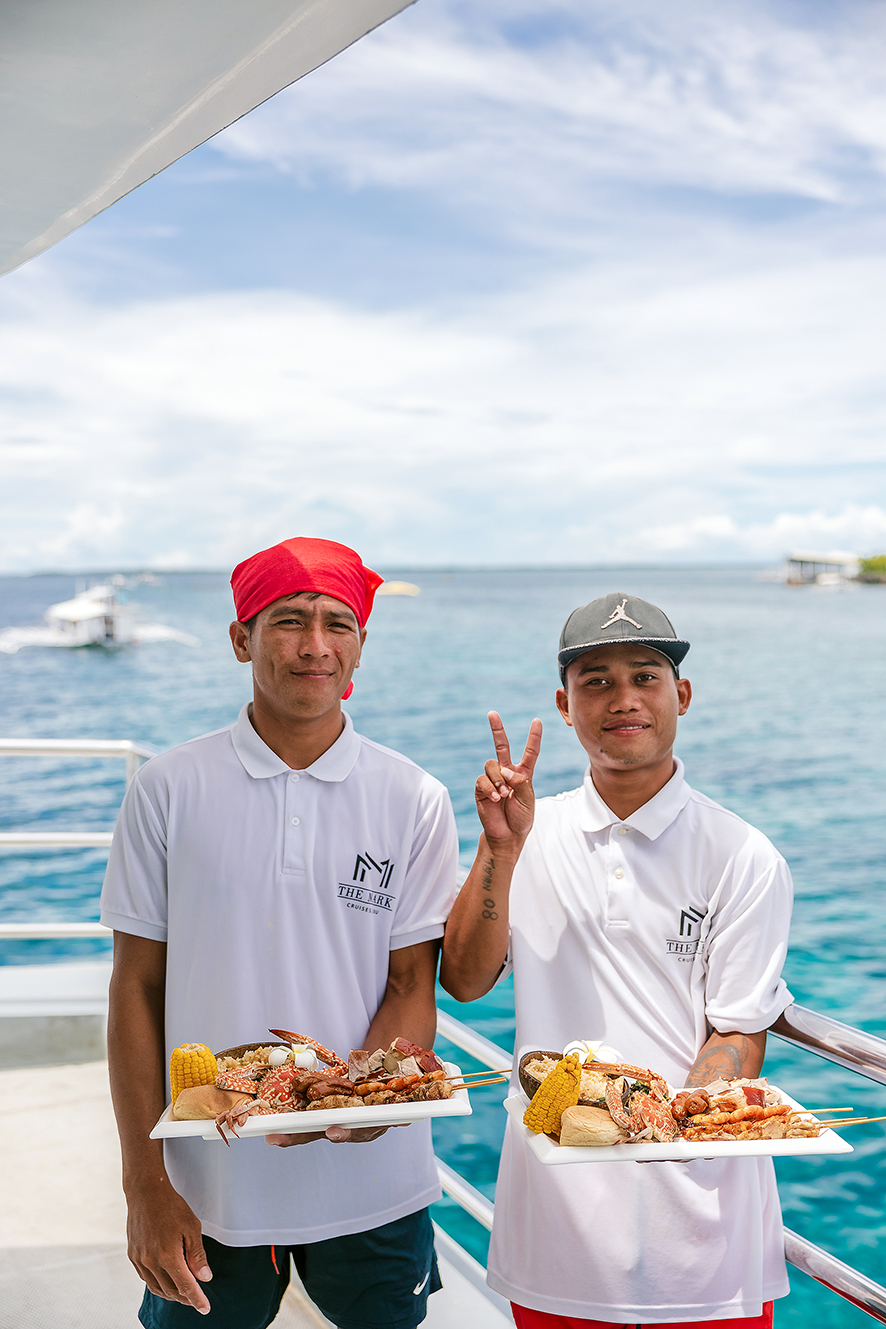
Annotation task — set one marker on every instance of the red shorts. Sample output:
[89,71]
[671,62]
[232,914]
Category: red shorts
[526,1319]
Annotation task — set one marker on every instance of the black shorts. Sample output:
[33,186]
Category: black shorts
[371,1280]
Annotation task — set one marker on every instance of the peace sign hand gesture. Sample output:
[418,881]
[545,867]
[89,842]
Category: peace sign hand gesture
[504,794]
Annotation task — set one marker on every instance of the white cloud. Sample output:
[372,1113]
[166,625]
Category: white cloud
[858,528]
[730,98]
[669,375]
[617,414]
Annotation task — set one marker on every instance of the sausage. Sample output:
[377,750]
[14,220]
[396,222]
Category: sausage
[699,1101]
[678,1107]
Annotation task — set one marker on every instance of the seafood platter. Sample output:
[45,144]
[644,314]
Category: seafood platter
[298,1086]
[577,1108]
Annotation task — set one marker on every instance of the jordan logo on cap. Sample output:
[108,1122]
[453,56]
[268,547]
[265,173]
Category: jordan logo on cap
[619,616]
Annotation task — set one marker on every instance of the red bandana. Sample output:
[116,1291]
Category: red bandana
[304,564]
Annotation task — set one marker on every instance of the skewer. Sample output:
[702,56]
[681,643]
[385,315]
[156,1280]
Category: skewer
[849,1109]
[478,1084]
[475,1075]
[852,1121]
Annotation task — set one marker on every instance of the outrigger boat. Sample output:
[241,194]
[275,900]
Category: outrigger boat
[93,617]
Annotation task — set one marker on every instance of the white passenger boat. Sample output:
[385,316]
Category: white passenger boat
[93,617]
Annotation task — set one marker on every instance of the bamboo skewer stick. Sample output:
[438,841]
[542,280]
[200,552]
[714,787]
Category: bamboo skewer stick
[851,1121]
[477,1075]
[497,1079]
[826,1109]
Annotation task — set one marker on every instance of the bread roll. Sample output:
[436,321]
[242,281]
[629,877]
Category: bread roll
[205,1101]
[592,1126]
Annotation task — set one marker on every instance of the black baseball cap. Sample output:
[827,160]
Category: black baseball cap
[619,617]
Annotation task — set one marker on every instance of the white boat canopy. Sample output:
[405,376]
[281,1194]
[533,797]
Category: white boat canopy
[98,96]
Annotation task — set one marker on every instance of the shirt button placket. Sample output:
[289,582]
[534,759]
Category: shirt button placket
[294,831]
[617,913]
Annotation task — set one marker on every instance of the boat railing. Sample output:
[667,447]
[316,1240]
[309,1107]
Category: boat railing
[133,754]
[854,1049]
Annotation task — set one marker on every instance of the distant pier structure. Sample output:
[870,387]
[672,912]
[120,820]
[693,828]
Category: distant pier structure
[805,568]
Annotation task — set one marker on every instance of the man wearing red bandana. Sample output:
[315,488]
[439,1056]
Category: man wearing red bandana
[282,871]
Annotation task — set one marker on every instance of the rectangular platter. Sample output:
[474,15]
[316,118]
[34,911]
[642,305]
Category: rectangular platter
[297,1123]
[551,1153]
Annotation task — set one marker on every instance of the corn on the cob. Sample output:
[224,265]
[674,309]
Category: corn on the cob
[557,1091]
[191,1064]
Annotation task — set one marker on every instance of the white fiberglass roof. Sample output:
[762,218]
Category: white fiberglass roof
[97,96]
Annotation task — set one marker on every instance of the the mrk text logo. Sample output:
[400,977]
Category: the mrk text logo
[368,888]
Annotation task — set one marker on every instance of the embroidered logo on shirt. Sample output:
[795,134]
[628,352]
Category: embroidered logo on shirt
[619,616]
[368,895]
[686,945]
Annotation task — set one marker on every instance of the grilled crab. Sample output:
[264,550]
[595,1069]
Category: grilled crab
[275,1088]
[642,1109]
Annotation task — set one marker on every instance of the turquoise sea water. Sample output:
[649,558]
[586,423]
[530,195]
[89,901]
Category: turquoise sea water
[787,727]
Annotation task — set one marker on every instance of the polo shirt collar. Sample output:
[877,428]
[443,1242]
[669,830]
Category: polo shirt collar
[650,820]
[261,763]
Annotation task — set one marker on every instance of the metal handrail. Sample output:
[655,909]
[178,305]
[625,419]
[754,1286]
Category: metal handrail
[853,1048]
[74,747]
[56,839]
[480,1048]
[43,931]
[833,1274]
[470,1199]
[133,753]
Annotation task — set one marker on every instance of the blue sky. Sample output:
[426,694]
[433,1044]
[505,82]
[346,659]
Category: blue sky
[524,282]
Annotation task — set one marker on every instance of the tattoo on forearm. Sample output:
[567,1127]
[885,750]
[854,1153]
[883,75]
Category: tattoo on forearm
[723,1059]
[488,901]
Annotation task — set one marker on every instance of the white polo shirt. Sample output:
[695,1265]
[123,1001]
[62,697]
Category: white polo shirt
[280,895]
[643,932]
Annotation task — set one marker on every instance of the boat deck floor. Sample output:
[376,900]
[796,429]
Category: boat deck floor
[63,1219]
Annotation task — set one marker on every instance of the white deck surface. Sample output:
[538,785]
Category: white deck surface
[62,1220]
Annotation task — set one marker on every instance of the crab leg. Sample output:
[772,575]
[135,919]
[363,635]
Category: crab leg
[234,1117]
[630,1122]
[340,1067]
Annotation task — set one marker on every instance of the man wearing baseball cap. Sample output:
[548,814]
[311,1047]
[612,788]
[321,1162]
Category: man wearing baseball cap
[635,911]
[283,871]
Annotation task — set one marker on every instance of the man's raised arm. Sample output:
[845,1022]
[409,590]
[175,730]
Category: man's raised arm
[165,1241]
[475,946]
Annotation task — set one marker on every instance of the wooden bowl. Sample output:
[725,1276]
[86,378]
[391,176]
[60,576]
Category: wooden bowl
[529,1083]
[250,1047]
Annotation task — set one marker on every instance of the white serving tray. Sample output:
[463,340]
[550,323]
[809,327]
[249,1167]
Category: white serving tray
[551,1153]
[299,1123]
